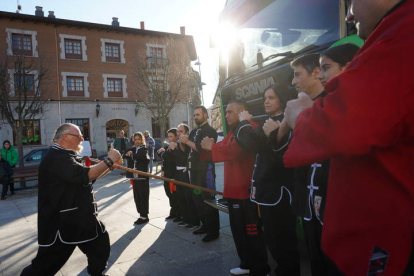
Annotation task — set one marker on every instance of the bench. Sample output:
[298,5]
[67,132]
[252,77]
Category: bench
[23,174]
[220,204]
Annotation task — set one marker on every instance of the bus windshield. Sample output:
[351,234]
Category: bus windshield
[283,26]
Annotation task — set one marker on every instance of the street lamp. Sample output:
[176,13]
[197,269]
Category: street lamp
[136,108]
[98,108]
[201,83]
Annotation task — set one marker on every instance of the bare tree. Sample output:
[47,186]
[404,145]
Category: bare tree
[22,89]
[162,73]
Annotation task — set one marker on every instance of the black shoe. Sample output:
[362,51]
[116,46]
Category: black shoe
[200,231]
[170,217]
[3,197]
[141,221]
[182,224]
[13,193]
[210,237]
[191,226]
[177,219]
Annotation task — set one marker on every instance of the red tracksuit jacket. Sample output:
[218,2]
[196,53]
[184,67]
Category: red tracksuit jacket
[238,166]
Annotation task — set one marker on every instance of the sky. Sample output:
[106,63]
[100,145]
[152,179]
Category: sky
[199,17]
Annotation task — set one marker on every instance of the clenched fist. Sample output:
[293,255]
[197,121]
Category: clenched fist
[245,115]
[207,143]
[269,126]
[183,139]
[295,107]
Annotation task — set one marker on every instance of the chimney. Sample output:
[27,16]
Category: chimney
[51,14]
[142,25]
[115,21]
[182,30]
[39,11]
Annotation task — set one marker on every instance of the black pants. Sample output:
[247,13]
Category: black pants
[248,236]
[5,182]
[313,237]
[172,198]
[208,215]
[279,225]
[141,196]
[185,199]
[49,260]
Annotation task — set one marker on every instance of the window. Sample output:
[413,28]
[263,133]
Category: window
[112,52]
[22,44]
[156,55]
[24,85]
[75,86]
[31,133]
[73,49]
[156,130]
[114,87]
[156,52]
[83,125]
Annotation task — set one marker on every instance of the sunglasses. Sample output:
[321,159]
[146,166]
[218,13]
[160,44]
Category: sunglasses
[79,136]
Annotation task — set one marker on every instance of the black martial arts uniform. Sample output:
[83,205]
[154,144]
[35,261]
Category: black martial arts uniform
[67,216]
[202,173]
[271,189]
[139,160]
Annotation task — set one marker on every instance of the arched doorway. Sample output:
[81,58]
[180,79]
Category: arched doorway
[112,129]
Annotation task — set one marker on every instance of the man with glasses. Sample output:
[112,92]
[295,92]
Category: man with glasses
[67,209]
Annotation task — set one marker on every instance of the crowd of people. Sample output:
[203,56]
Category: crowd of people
[338,154]
[183,161]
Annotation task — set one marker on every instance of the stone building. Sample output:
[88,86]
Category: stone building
[91,80]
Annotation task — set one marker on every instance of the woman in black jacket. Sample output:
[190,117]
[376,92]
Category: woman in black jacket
[271,186]
[138,159]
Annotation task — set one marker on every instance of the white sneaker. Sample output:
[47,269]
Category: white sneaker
[239,271]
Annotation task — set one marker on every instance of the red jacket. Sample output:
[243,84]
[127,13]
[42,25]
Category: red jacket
[366,126]
[238,166]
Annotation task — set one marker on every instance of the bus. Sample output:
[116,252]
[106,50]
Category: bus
[262,37]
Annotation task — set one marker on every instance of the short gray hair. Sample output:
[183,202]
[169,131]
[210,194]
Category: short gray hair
[64,128]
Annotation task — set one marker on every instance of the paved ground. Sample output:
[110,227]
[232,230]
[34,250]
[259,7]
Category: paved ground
[157,248]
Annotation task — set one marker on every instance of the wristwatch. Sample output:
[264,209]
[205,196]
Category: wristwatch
[108,161]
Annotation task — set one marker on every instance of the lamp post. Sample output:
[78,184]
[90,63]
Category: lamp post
[98,108]
[201,83]
[136,108]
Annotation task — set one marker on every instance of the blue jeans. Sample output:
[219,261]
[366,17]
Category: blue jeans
[150,165]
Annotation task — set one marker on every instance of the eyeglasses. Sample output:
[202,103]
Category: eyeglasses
[79,136]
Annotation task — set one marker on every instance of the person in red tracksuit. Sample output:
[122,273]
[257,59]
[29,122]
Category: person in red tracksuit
[244,222]
[365,125]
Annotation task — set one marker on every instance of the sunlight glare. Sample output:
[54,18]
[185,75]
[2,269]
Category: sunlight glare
[224,36]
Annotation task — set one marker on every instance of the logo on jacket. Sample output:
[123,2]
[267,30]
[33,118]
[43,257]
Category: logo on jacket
[378,262]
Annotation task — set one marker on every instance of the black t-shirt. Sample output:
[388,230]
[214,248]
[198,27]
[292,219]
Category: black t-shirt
[196,136]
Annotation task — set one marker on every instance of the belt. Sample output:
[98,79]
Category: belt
[181,168]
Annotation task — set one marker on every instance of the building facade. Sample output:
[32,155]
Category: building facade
[91,80]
